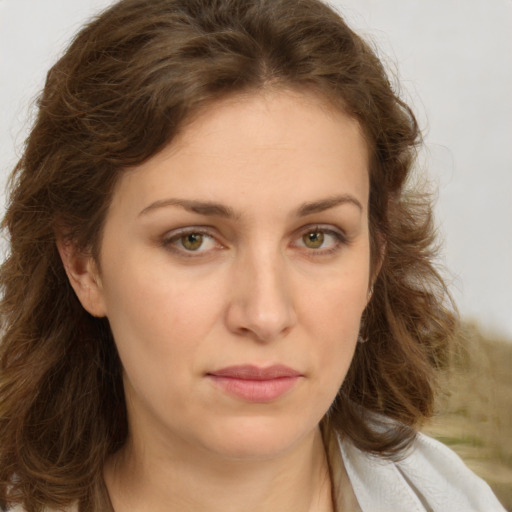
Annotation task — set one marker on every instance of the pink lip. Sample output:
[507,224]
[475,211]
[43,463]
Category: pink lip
[255,384]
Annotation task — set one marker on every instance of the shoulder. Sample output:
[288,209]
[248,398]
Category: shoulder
[430,477]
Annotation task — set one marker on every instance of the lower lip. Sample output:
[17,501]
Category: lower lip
[258,391]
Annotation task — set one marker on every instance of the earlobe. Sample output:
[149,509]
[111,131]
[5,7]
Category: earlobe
[84,277]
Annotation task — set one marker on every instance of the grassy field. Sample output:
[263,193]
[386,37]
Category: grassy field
[475,410]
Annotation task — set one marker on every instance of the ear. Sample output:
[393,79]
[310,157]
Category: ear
[84,277]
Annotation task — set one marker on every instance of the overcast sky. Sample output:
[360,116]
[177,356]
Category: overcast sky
[454,61]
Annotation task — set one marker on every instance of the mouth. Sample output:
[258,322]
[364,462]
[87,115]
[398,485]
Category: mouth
[255,384]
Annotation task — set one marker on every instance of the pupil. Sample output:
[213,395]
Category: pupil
[314,239]
[192,241]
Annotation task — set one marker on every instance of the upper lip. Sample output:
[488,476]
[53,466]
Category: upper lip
[252,372]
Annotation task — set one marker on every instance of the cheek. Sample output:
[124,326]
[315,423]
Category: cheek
[333,319]
[336,306]
[157,316]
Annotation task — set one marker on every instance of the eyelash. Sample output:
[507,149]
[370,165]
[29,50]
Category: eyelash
[340,239]
[170,242]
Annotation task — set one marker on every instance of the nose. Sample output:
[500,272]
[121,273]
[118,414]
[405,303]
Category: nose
[261,302]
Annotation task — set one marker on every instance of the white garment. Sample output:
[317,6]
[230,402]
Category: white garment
[431,478]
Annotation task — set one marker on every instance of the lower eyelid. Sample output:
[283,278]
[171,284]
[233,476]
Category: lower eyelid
[337,244]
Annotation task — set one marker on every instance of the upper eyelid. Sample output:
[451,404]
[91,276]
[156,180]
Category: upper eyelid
[201,230]
[337,235]
[325,228]
[176,234]
[212,231]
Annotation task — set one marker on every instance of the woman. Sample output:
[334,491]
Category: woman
[219,294]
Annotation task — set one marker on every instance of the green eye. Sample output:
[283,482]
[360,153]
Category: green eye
[192,241]
[313,239]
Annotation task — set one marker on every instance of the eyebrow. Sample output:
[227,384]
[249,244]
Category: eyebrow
[209,208]
[328,203]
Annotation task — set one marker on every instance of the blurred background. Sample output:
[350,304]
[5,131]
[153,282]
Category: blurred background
[453,61]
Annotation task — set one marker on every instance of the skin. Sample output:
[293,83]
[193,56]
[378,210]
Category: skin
[282,279]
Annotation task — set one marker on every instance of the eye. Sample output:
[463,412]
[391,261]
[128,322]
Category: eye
[321,239]
[313,239]
[190,241]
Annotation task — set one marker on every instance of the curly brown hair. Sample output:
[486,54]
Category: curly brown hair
[126,85]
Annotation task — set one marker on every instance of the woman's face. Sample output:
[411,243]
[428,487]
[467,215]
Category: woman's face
[234,272]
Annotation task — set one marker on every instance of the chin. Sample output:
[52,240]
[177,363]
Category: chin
[256,439]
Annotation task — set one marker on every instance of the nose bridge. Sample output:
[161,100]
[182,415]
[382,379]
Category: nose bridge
[262,300]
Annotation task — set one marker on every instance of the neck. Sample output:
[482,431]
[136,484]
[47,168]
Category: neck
[140,480]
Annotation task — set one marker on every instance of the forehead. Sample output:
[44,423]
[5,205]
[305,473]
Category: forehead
[280,146]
